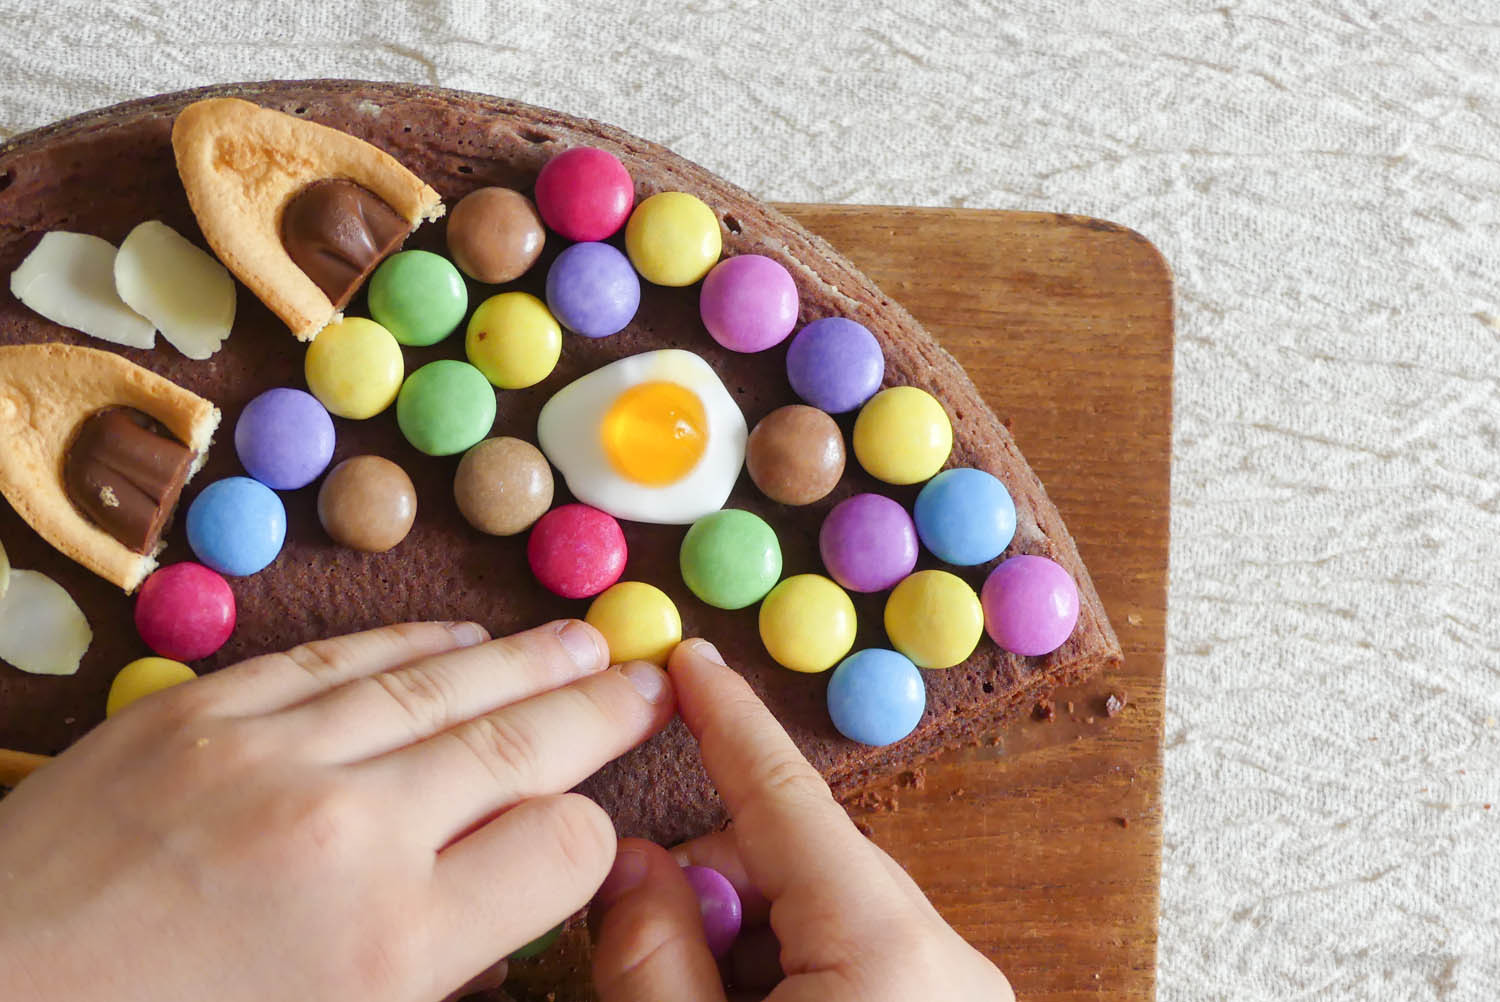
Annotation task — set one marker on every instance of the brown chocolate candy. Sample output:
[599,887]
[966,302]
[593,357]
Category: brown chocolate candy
[367,503]
[503,485]
[125,475]
[495,235]
[795,454]
[337,232]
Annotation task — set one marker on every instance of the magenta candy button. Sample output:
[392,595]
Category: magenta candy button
[719,904]
[1030,605]
[748,303]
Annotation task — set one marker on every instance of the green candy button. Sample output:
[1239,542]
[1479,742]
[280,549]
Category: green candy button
[418,296]
[445,407]
[730,558]
[539,945]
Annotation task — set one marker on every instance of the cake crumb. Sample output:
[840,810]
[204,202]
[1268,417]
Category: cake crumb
[864,829]
[1123,822]
[1070,707]
[70,720]
[1135,619]
[1044,710]
[1114,704]
[913,779]
[1089,719]
[993,740]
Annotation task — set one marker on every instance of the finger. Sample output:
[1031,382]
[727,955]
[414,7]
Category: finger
[720,851]
[274,681]
[542,745]
[649,945]
[385,711]
[504,884]
[788,826]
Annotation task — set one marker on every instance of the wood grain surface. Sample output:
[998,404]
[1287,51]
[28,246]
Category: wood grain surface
[1041,845]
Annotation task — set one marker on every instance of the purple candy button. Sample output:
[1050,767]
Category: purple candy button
[835,364]
[593,290]
[284,438]
[748,303]
[868,543]
[1030,605]
[719,904]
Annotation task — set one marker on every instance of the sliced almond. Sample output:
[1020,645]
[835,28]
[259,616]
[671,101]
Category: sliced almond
[176,285]
[42,630]
[69,278]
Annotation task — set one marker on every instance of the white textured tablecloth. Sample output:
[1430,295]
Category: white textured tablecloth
[1323,178]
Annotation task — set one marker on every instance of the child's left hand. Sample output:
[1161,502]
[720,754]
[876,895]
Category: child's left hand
[322,824]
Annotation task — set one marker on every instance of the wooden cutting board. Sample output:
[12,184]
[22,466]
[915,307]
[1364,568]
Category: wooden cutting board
[1042,845]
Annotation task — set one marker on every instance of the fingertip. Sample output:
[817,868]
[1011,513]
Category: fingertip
[650,682]
[468,634]
[584,645]
[695,652]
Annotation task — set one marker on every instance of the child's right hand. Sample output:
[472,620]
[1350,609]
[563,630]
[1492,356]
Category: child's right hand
[851,924]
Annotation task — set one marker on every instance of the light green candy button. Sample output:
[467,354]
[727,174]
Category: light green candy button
[445,407]
[730,558]
[418,296]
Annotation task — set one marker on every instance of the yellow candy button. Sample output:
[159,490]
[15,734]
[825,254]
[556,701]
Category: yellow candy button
[639,622]
[807,623]
[141,678]
[673,239]
[934,618]
[514,340]
[354,368]
[902,435]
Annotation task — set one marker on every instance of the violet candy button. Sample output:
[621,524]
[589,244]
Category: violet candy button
[1030,605]
[748,303]
[868,543]
[593,290]
[284,438]
[835,364]
[719,903]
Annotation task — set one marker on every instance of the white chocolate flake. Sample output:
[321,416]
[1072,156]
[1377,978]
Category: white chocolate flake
[69,278]
[42,630]
[178,286]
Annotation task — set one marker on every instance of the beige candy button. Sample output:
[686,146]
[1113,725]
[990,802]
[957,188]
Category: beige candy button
[503,485]
[367,503]
[795,454]
[495,235]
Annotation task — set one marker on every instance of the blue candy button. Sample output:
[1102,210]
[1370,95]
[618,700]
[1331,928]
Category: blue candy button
[876,696]
[965,517]
[236,526]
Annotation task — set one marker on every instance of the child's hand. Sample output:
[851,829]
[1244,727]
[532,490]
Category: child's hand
[851,924]
[321,824]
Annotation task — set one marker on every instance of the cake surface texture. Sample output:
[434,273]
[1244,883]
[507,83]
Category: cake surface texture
[104,172]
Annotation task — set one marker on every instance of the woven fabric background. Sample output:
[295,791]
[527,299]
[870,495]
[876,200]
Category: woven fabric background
[1322,176]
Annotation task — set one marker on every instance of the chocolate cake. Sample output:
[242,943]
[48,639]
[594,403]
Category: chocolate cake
[104,172]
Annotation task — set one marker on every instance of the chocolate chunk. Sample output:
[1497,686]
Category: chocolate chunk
[125,475]
[337,232]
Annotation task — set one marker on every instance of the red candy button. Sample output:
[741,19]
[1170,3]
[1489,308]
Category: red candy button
[576,551]
[584,193]
[185,612]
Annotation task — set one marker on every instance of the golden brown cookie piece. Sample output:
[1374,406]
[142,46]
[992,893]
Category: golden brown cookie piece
[47,393]
[242,164]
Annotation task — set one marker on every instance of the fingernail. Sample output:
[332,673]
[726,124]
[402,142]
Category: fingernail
[468,634]
[707,652]
[648,679]
[628,873]
[581,643]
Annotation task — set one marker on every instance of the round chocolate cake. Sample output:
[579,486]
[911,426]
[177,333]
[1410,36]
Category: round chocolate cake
[105,172]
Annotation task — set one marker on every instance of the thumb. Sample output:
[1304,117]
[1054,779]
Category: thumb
[648,932]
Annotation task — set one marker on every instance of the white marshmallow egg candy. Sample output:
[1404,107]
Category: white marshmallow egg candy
[653,437]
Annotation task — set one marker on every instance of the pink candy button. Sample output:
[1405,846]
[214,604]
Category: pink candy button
[185,612]
[1030,605]
[584,193]
[576,551]
[748,303]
